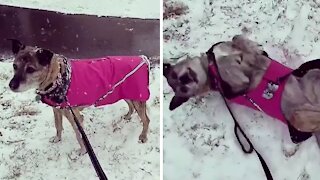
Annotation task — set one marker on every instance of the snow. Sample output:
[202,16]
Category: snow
[199,142]
[27,126]
[145,9]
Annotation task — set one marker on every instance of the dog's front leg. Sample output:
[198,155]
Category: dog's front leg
[58,124]
[288,147]
[141,108]
[70,117]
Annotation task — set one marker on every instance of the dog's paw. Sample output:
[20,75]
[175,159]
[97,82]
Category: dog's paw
[143,138]
[76,154]
[304,175]
[55,139]
[81,151]
[199,100]
[290,149]
[126,117]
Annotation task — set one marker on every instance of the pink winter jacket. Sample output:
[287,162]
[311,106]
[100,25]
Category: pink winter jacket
[106,80]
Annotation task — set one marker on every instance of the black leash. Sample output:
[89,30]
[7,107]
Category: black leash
[92,155]
[237,128]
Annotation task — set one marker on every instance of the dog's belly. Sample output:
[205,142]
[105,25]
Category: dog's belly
[115,77]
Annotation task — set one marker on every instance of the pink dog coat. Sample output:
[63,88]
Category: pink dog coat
[106,80]
[256,99]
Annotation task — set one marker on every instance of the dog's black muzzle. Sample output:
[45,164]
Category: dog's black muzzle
[14,83]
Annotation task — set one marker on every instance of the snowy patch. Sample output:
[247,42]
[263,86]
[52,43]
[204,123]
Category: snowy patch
[199,142]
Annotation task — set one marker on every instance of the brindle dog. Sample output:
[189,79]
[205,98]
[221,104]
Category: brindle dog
[37,68]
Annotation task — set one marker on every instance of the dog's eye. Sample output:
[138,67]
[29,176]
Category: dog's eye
[185,79]
[174,75]
[15,67]
[30,70]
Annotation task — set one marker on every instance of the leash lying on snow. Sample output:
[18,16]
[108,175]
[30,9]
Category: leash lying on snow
[237,127]
[92,155]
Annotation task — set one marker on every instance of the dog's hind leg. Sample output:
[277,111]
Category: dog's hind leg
[70,117]
[131,109]
[141,108]
[317,135]
[58,124]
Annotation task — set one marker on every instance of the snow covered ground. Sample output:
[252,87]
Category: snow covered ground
[145,9]
[26,127]
[199,142]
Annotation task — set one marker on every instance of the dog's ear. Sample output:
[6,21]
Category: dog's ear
[177,101]
[166,68]
[264,53]
[16,46]
[44,56]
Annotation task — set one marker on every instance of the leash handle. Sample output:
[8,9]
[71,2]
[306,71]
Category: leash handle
[92,155]
[237,128]
[266,170]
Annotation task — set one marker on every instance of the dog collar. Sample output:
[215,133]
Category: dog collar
[213,78]
[56,92]
[52,86]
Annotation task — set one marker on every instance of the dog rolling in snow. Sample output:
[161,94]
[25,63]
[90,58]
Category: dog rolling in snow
[250,78]
[62,82]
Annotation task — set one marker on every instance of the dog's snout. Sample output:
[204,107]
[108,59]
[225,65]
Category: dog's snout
[14,83]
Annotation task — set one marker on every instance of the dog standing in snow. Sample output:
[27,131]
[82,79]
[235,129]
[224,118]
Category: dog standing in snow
[249,77]
[61,83]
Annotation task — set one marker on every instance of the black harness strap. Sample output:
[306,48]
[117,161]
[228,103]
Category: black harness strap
[237,128]
[92,155]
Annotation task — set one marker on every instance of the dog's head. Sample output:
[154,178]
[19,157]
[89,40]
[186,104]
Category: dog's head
[30,66]
[187,78]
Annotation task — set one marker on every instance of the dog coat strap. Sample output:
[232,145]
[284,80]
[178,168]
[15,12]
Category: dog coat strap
[305,67]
